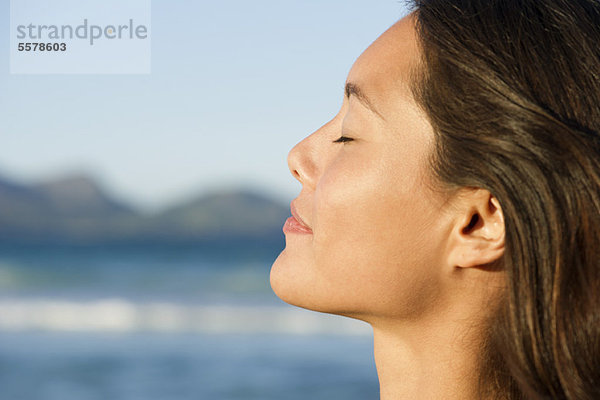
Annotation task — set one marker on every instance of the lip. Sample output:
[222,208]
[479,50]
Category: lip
[295,224]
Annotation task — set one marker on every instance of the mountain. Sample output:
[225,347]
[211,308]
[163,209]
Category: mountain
[80,196]
[76,210]
[69,208]
[225,213]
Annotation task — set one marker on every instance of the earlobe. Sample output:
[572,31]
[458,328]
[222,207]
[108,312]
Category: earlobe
[477,237]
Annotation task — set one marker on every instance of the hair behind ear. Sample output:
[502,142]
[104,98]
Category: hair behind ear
[511,89]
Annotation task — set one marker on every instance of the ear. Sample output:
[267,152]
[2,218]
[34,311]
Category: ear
[477,236]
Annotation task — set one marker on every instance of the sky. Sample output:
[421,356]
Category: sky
[234,85]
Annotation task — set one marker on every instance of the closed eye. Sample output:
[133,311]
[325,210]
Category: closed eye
[343,139]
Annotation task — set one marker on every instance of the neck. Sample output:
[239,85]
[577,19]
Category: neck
[432,362]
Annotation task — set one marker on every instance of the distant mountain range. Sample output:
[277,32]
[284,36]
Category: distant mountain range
[75,210]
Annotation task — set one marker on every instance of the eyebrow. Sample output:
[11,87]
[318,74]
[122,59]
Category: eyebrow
[352,89]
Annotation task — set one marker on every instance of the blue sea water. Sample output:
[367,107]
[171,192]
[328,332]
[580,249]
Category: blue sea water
[154,324]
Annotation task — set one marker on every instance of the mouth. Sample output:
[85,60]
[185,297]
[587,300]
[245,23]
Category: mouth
[295,224]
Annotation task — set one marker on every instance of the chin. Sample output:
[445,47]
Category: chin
[282,280]
[291,281]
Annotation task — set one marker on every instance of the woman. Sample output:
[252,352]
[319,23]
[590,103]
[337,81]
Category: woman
[454,202]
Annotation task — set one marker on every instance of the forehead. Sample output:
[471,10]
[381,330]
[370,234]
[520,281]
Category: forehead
[383,71]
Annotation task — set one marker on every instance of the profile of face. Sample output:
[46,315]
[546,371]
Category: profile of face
[374,242]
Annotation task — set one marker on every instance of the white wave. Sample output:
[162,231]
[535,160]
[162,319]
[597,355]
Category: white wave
[119,315]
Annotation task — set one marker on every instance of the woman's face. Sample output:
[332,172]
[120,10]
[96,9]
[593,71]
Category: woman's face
[376,240]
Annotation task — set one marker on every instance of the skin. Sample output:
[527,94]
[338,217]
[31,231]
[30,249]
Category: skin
[386,247]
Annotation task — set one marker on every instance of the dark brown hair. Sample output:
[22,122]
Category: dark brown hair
[512,90]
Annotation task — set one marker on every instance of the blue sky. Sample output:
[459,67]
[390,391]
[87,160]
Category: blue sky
[234,85]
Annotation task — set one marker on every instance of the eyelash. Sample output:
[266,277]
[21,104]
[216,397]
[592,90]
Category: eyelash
[343,139]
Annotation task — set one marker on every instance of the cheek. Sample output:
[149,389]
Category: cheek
[369,231]
[361,200]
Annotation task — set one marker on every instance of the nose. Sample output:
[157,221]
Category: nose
[301,162]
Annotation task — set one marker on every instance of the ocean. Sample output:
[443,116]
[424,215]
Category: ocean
[167,324]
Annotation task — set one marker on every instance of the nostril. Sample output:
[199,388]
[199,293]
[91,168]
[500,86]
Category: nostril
[296,174]
[300,163]
[294,165]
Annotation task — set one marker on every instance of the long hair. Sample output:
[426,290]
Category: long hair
[512,90]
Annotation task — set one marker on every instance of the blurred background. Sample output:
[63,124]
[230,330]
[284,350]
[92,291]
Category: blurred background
[140,214]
